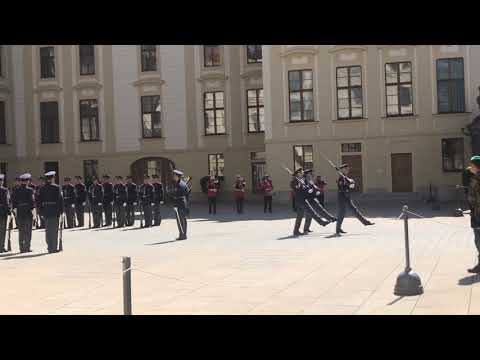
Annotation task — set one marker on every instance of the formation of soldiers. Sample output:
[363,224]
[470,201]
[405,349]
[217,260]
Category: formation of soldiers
[52,207]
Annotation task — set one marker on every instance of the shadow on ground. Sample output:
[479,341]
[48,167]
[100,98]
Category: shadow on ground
[469,280]
[25,256]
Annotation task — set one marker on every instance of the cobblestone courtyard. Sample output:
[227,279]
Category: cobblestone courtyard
[248,264]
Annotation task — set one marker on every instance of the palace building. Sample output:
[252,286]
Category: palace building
[395,113]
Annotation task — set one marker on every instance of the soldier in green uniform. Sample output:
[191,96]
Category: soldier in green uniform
[474,204]
[51,206]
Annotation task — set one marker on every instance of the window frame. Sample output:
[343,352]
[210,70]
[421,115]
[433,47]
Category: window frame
[303,155]
[90,65]
[50,121]
[450,104]
[257,107]
[51,60]
[97,135]
[215,108]
[398,84]
[301,91]
[211,47]
[3,123]
[146,52]
[444,140]
[216,164]
[255,60]
[94,165]
[349,88]
[142,113]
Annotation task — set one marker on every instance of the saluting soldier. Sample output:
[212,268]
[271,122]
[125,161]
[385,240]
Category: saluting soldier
[95,196]
[146,198]
[120,200]
[132,200]
[51,206]
[107,199]
[4,212]
[179,196]
[68,192]
[23,204]
[158,199]
[80,200]
[345,187]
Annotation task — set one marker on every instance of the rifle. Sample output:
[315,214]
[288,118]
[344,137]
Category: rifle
[300,181]
[10,227]
[60,242]
[336,168]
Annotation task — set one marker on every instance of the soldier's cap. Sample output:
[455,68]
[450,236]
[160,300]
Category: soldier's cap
[299,170]
[475,158]
[106,176]
[178,172]
[154,176]
[78,177]
[2,176]
[343,166]
[67,178]
[50,174]
[25,177]
[119,177]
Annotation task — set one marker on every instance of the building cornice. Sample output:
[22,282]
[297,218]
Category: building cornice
[88,84]
[212,76]
[151,80]
[299,50]
[47,87]
[255,73]
[338,48]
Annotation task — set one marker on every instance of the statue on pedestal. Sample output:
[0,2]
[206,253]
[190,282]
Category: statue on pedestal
[473,130]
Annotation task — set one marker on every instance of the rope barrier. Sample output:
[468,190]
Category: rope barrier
[435,221]
[157,275]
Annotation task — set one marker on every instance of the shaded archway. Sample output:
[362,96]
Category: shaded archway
[160,166]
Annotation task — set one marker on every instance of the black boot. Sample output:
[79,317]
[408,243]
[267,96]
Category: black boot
[475,269]
[369,223]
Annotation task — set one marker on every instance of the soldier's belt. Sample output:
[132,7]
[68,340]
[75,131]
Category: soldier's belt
[24,204]
[49,203]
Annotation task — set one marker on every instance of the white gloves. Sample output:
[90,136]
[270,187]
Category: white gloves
[352,185]
[161,202]
[84,203]
[310,191]
[124,204]
[135,203]
[318,193]
[100,204]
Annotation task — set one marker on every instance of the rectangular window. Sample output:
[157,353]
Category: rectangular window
[149,57]
[87,59]
[3,123]
[349,92]
[211,55]
[255,111]
[214,113]
[254,54]
[151,116]
[450,86]
[300,87]
[47,62]
[216,164]
[49,122]
[89,120]
[452,155]
[302,157]
[90,169]
[352,147]
[398,88]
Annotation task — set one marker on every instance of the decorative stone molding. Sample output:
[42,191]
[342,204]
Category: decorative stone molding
[338,48]
[251,73]
[299,50]
[47,87]
[149,81]
[85,84]
[212,76]
[449,49]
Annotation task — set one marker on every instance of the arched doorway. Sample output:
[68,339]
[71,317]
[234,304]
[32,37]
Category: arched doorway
[160,166]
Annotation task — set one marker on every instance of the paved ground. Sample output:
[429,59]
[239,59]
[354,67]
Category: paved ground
[249,264]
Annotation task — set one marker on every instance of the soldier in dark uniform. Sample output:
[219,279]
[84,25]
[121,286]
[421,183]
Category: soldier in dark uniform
[345,186]
[120,200]
[292,184]
[95,196]
[35,189]
[51,206]
[158,199]
[107,199]
[15,186]
[146,198]
[473,198]
[80,200]
[68,192]
[132,200]
[179,197]
[40,219]
[23,204]
[321,185]
[4,212]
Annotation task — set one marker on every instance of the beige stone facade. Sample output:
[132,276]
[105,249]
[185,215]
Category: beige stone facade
[181,76]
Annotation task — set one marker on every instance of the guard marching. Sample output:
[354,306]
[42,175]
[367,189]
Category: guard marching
[146,198]
[80,200]
[51,207]
[68,191]
[132,199]
[345,187]
[23,203]
[107,199]
[158,199]
[120,201]
[4,212]
[179,196]
[95,197]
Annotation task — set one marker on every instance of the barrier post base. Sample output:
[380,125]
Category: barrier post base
[408,284]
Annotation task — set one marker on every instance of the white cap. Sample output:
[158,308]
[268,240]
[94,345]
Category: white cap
[2,176]
[178,172]
[50,173]
[25,177]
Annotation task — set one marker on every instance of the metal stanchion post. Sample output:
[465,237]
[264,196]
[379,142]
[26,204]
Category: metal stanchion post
[408,282]
[127,286]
